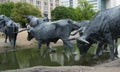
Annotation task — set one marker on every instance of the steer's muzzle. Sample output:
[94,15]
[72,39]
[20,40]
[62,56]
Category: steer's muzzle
[28,38]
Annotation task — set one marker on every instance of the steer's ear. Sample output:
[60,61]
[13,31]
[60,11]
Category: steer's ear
[30,29]
[70,21]
[3,16]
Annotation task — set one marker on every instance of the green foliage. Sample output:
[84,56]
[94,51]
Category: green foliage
[5,8]
[17,10]
[84,11]
[60,12]
[21,9]
[78,14]
[86,8]
[71,12]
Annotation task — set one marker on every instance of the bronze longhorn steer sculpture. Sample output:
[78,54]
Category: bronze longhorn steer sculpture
[47,32]
[10,29]
[104,27]
[83,47]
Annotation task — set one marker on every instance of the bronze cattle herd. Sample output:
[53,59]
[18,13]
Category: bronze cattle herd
[102,29]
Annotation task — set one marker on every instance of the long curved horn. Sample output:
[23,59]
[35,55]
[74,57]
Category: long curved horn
[79,39]
[80,29]
[72,39]
[82,39]
[21,30]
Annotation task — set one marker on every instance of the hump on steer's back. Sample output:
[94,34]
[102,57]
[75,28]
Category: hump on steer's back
[63,22]
[34,21]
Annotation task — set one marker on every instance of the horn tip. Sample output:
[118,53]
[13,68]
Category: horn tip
[83,40]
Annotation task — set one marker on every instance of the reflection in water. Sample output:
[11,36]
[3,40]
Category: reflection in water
[30,57]
[4,57]
[57,58]
[8,61]
[23,58]
[77,57]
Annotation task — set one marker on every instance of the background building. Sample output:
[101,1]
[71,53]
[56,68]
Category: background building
[74,3]
[45,6]
[4,0]
[95,4]
[68,3]
[105,4]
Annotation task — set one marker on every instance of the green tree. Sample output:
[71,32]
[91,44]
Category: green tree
[5,8]
[71,13]
[21,9]
[78,14]
[86,9]
[61,12]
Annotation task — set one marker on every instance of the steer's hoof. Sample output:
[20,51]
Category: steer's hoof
[111,59]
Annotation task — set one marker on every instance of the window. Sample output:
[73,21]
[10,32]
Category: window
[56,0]
[45,3]
[51,6]
[38,4]
[23,0]
[31,1]
[51,1]
[71,2]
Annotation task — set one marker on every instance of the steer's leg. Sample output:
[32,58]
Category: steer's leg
[39,45]
[116,53]
[12,43]
[5,38]
[104,47]
[99,49]
[111,50]
[111,44]
[5,32]
[64,47]
[69,44]
[14,40]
